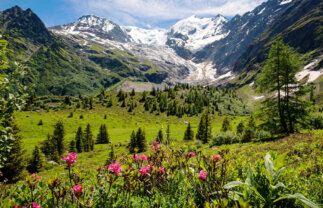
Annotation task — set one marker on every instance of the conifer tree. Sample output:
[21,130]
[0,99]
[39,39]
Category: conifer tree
[168,134]
[35,163]
[201,129]
[79,138]
[58,137]
[72,147]
[189,134]
[133,142]
[141,140]
[240,128]
[226,126]
[249,131]
[204,130]
[88,137]
[133,93]
[103,136]
[160,137]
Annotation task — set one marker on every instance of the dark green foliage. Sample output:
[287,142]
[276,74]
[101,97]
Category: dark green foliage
[168,134]
[88,138]
[226,126]
[40,123]
[133,93]
[160,136]
[204,129]
[249,131]
[15,163]
[79,139]
[36,162]
[67,100]
[72,147]
[110,103]
[133,143]
[81,116]
[240,128]
[189,134]
[58,137]
[137,141]
[316,120]
[71,115]
[103,136]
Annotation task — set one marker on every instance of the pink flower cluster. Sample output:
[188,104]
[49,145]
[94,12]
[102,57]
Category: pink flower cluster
[217,157]
[19,206]
[135,157]
[114,168]
[143,157]
[70,158]
[35,205]
[202,174]
[191,154]
[161,170]
[155,146]
[77,189]
[144,170]
[34,176]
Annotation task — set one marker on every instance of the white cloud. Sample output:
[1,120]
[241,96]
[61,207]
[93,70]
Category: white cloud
[155,12]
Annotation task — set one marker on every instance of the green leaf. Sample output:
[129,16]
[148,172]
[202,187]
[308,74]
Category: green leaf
[232,184]
[299,197]
[269,165]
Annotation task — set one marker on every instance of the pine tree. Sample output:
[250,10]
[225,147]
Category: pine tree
[88,137]
[35,163]
[249,131]
[189,134]
[204,132]
[72,147]
[141,140]
[285,108]
[103,136]
[133,93]
[226,126]
[133,143]
[168,134]
[160,137]
[79,138]
[112,156]
[58,137]
[201,129]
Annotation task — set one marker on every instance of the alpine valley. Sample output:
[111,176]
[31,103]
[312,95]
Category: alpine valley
[93,53]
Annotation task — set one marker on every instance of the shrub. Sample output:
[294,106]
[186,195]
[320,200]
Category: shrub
[228,137]
[316,120]
[262,135]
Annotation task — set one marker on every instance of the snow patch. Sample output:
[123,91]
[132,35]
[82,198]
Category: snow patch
[312,75]
[285,2]
[258,97]
[143,36]
[262,11]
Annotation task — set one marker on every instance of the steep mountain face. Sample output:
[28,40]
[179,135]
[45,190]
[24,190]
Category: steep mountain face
[242,31]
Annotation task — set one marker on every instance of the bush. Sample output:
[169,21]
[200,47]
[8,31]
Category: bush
[316,120]
[262,135]
[228,137]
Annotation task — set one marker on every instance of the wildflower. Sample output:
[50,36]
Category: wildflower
[70,158]
[114,168]
[217,157]
[161,170]
[202,174]
[155,146]
[135,157]
[19,206]
[191,154]
[143,157]
[36,205]
[144,170]
[77,189]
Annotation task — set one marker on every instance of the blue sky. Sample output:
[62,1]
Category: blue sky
[142,13]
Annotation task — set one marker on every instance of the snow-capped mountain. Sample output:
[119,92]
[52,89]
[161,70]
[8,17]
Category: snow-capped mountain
[194,33]
[194,49]
[91,27]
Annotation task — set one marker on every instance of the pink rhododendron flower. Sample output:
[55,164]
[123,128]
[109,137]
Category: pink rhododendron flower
[77,189]
[202,174]
[161,169]
[155,146]
[114,168]
[144,170]
[217,157]
[19,206]
[70,158]
[135,157]
[35,205]
[36,178]
[192,154]
[143,157]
